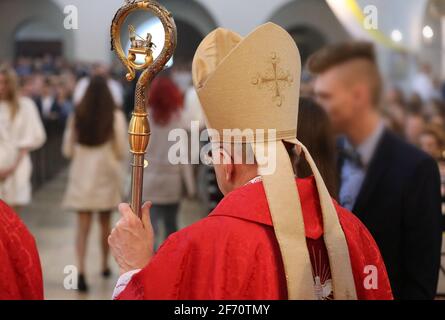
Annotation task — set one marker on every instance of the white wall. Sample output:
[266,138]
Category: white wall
[409,17]
[404,15]
[92,37]
[314,14]
[241,15]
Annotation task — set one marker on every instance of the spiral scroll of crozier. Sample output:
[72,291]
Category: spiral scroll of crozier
[169,45]
[139,128]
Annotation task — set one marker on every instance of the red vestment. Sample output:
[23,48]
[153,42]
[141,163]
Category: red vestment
[21,273]
[233,254]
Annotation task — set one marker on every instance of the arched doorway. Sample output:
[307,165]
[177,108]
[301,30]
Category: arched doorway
[193,22]
[30,20]
[311,23]
[36,38]
[193,13]
[308,39]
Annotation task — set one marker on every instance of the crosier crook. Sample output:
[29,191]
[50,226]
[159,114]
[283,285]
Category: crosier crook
[139,128]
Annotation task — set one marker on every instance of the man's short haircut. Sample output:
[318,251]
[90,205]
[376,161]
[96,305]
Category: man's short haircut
[341,53]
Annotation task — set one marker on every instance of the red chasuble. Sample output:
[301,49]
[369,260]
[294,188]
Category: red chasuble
[233,254]
[21,273]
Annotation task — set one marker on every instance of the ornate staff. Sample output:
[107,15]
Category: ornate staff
[139,129]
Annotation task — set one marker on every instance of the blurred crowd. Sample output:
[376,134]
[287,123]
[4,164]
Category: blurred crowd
[419,116]
[53,83]
[57,85]
[50,82]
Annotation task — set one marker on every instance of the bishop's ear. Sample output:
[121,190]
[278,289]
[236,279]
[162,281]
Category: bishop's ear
[226,165]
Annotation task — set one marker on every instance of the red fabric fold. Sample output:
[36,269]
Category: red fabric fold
[21,273]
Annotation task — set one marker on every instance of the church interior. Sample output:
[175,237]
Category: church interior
[53,46]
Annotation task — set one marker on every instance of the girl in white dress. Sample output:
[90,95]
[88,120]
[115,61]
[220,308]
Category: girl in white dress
[95,140]
[21,131]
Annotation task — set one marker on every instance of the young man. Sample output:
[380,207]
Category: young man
[390,185]
[271,237]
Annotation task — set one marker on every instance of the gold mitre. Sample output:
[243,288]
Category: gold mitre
[232,74]
[253,83]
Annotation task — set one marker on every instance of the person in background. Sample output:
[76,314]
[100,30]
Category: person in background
[414,103]
[395,107]
[27,86]
[64,103]
[423,84]
[315,132]
[47,103]
[23,66]
[414,125]
[432,141]
[393,187]
[22,130]
[182,76]
[95,140]
[208,191]
[164,180]
[437,113]
[48,64]
[114,86]
[442,91]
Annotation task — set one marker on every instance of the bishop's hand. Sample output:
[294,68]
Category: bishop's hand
[131,241]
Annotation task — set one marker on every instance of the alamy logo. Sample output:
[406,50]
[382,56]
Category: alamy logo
[70,280]
[371,20]
[224,149]
[371,280]
[71,21]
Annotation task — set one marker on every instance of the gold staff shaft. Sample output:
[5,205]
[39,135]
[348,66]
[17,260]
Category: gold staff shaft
[139,128]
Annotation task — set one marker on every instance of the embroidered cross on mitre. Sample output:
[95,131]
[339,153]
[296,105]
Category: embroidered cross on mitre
[275,79]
